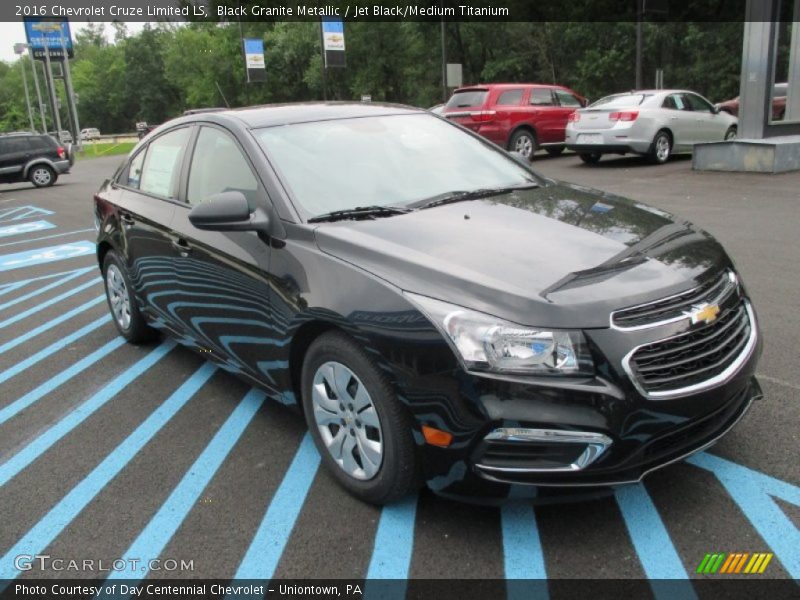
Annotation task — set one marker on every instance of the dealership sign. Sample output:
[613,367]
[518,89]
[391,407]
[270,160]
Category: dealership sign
[333,41]
[254,59]
[48,34]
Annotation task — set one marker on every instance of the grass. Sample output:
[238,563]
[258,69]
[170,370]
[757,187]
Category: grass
[105,149]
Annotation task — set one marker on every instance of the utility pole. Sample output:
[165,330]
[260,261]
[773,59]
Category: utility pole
[444,59]
[19,49]
[639,18]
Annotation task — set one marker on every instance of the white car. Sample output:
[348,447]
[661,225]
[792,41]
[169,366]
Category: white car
[90,133]
[654,123]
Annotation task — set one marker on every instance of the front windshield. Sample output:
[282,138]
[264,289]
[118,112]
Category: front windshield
[381,161]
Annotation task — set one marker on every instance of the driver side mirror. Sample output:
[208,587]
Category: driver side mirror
[228,211]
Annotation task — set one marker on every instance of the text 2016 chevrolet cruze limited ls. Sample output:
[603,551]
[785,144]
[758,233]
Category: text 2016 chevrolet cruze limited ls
[437,311]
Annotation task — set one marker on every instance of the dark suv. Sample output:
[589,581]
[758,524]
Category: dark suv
[34,157]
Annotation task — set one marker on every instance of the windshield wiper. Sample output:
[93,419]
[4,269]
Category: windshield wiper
[460,196]
[360,212]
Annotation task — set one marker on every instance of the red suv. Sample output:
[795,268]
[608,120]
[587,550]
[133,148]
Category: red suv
[522,117]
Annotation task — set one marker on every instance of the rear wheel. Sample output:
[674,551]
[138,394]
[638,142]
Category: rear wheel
[524,143]
[661,149]
[359,426]
[730,134]
[590,158]
[42,176]
[121,301]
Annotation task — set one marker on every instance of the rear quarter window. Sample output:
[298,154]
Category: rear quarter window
[467,98]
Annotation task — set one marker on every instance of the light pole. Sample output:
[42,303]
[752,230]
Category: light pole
[19,49]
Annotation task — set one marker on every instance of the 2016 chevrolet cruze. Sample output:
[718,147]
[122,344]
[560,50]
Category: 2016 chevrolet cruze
[439,312]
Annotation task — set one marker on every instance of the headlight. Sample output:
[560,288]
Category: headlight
[486,343]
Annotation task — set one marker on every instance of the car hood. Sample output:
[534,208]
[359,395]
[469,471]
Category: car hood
[560,255]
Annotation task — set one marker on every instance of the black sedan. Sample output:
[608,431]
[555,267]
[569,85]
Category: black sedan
[437,311]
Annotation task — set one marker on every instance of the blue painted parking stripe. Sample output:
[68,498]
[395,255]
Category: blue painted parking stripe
[53,383]
[753,492]
[69,507]
[391,554]
[47,237]
[55,300]
[23,212]
[45,288]
[261,558]
[523,558]
[21,339]
[41,444]
[40,256]
[52,348]
[652,542]
[29,227]
[155,536]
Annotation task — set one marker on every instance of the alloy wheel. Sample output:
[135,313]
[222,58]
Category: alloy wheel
[347,420]
[524,146]
[662,148]
[41,176]
[118,296]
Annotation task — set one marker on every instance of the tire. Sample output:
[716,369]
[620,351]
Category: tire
[42,176]
[523,142]
[342,411]
[590,158]
[555,151]
[122,302]
[730,134]
[661,148]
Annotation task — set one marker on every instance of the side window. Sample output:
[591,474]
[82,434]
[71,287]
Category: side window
[541,97]
[698,104]
[135,170]
[669,102]
[510,98]
[567,100]
[162,164]
[679,102]
[18,144]
[218,165]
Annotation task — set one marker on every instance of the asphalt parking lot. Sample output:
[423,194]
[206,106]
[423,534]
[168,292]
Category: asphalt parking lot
[111,451]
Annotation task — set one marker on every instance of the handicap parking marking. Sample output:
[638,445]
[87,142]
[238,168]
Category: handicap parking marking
[28,227]
[23,212]
[19,260]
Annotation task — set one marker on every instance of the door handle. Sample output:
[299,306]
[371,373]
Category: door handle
[182,246]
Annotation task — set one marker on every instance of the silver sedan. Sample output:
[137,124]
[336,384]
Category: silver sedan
[654,123]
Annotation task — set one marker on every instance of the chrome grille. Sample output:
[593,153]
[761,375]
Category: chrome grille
[675,307]
[693,358]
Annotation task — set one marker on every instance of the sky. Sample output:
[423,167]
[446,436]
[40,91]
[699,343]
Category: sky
[12,32]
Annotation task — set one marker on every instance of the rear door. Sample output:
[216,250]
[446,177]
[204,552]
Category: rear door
[15,151]
[567,104]
[680,120]
[509,112]
[222,277]
[545,114]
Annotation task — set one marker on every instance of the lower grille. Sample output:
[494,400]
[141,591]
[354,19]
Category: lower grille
[695,357]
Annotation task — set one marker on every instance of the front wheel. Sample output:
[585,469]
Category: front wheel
[590,158]
[661,149]
[359,426]
[42,176]
[121,301]
[524,143]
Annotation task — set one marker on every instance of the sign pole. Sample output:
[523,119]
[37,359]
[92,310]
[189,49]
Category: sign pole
[38,91]
[51,88]
[324,66]
[73,110]
[19,49]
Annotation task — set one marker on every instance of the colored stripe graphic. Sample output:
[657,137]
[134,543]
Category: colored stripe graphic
[392,550]
[23,212]
[261,558]
[29,258]
[55,300]
[54,382]
[523,557]
[62,514]
[652,542]
[28,227]
[41,444]
[21,339]
[155,536]
[53,348]
[753,492]
[68,276]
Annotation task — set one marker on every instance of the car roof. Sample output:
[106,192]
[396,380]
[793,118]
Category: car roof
[479,86]
[272,115]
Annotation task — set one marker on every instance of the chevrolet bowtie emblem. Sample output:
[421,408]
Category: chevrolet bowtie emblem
[703,313]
